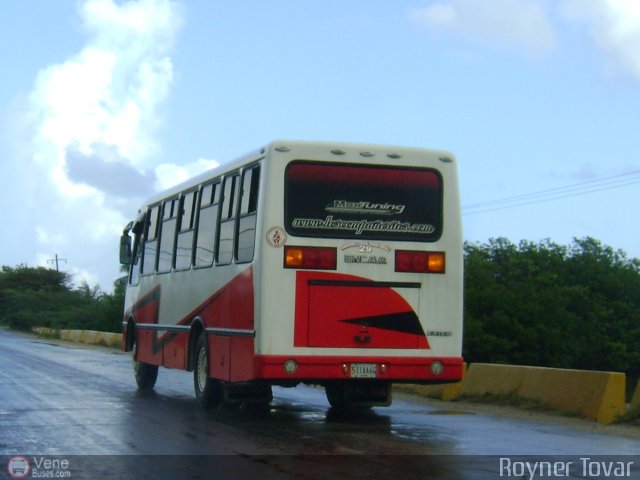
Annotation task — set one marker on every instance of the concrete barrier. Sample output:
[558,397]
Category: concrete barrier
[88,336]
[635,400]
[447,391]
[71,335]
[92,337]
[109,339]
[596,395]
[50,332]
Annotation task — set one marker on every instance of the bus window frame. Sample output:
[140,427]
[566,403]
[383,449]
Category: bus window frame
[233,211]
[155,239]
[175,205]
[239,215]
[192,229]
[135,269]
[216,183]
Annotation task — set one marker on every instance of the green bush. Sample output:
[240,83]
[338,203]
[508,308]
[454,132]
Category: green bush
[549,305]
[41,297]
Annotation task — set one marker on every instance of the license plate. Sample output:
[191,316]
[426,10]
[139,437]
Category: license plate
[364,370]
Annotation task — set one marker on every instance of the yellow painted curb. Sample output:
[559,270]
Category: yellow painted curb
[595,395]
[108,339]
[71,335]
[635,400]
[88,336]
[112,339]
[46,331]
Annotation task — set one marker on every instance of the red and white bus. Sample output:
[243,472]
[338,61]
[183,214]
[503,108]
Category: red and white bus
[303,262]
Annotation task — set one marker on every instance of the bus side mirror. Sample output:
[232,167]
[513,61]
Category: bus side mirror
[125,249]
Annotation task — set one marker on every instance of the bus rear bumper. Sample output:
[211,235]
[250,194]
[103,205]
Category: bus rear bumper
[392,369]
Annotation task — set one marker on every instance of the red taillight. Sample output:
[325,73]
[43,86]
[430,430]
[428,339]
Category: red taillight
[419,262]
[313,258]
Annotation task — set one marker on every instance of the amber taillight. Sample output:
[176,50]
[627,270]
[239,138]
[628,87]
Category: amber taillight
[420,262]
[312,258]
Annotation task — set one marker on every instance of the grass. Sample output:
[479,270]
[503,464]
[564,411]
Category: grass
[632,417]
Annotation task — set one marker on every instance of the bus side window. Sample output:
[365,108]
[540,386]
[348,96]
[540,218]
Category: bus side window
[186,219]
[227,220]
[134,272]
[248,212]
[207,223]
[151,241]
[167,235]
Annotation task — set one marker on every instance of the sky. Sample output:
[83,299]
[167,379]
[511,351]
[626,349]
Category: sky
[104,102]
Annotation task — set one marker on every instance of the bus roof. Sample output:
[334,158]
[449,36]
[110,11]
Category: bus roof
[301,147]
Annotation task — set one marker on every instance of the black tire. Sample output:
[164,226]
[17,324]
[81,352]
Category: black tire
[208,390]
[336,395]
[145,374]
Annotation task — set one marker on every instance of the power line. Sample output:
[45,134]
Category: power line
[566,191]
[581,185]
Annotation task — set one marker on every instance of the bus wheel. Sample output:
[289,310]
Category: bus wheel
[336,395]
[146,374]
[208,390]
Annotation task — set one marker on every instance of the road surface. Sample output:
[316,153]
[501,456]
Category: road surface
[62,401]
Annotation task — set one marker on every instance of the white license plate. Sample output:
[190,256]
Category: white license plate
[364,370]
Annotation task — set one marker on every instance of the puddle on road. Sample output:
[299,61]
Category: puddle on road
[68,347]
[441,412]
[449,412]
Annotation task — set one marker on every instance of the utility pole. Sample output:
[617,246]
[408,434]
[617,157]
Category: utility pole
[56,260]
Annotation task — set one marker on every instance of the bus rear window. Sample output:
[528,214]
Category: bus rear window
[363,201]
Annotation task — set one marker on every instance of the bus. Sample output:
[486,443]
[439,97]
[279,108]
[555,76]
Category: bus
[331,264]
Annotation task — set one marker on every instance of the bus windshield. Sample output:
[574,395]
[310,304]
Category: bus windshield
[371,202]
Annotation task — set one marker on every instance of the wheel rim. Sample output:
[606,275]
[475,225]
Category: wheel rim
[202,369]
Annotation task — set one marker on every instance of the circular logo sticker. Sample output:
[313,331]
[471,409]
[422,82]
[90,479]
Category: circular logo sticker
[18,467]
[276,237]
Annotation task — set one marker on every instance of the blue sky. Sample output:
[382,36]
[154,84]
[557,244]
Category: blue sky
[104,102]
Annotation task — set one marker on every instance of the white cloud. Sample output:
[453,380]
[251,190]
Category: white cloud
[94,121]
[517,24]
[436,15]
[169,175]
[109,92]
[615,27]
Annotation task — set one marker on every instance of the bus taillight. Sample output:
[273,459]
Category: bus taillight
[313,258]
[420,262]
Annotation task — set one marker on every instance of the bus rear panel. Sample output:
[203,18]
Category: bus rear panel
[330,264]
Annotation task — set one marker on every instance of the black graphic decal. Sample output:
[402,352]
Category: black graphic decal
[403,322]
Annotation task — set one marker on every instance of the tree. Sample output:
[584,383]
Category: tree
[42,297]
[550,305]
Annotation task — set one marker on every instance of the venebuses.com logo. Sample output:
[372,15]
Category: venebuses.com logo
[18,467]
[38,467]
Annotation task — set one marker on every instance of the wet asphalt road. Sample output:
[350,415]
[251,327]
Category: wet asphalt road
[79,402]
